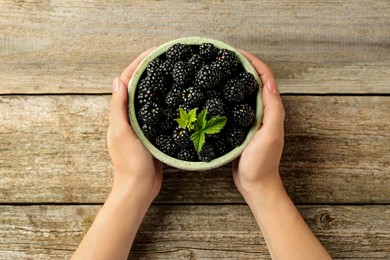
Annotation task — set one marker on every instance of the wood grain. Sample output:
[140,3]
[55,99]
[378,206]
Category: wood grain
[192,232]
[53,149]
[80,46]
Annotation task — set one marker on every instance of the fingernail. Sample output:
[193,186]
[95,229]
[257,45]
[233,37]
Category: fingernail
[272,86]
[116,85]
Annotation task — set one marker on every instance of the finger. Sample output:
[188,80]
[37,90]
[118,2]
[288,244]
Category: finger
[128,72]
[118,115]
[262,69]
[273,118]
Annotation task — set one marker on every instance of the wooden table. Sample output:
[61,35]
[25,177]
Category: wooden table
[57,61]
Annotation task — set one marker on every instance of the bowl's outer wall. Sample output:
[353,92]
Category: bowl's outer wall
[180,164]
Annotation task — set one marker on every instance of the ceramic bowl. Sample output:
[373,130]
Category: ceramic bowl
[168,160]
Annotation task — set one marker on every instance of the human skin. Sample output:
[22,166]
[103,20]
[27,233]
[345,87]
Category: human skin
[138,179]
[256,175]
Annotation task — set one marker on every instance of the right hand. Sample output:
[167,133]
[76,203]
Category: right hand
[258,165]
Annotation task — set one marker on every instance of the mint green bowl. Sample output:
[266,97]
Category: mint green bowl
[168,160]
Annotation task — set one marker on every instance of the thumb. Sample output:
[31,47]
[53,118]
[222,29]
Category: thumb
[273,108]
[118,115]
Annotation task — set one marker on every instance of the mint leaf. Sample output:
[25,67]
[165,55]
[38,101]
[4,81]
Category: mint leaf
[215,125]
[187,120]
[198,138]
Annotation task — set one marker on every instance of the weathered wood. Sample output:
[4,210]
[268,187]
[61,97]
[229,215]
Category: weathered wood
[80,46]
[53,149]
[192,232]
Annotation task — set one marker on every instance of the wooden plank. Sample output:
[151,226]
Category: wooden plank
[192,232]
[80,46]
[53,149]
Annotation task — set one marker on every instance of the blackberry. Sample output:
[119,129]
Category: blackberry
[174,96]
[215,107]
[213,93]
[235,136]
[193,96]
[208,51]
[167,123]
[243,115]
[145,94]
[167,67]
[179,52]
[229,56]
[158,81]
[208,77]
[182,72]
[153,66]
[166,145]
[233,91]
[150,113]
[207,153]
[227,62]
[196,62]
[249,82]
[187,155]
[182,137]
[150,131]
[221,147]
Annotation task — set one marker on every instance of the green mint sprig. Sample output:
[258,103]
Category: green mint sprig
[200,125]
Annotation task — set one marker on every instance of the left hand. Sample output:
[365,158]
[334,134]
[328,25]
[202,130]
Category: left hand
[133,164]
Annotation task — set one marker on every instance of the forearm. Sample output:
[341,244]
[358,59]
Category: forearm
[113,231]
[284,230]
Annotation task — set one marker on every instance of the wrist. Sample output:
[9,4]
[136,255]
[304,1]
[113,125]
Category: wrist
[131,190]
[265,193]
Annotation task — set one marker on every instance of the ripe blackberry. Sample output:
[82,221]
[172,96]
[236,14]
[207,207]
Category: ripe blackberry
[167,123]
[243,115]
[215,107]
[167,67]
[235,136]
[193,96]
[158,81]
[150,113]
[208,51]
[249,82]
[207,77]
[213,93]
[179,52]
[145,94]
[174,96]
[187,155]
[182,73]
[181,137]
[153,66]
[150,131]
[229,56]
[233,91]
[207,153]
[196,62]
[166,145]
[221,147]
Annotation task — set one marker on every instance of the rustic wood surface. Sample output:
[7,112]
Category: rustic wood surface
[192,232]
[55,151]
[78,47]
[57,61]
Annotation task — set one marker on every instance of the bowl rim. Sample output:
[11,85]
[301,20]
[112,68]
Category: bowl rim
[171,161]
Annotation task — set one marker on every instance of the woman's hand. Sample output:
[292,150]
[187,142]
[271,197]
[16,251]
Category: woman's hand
[258,165]
[134,166]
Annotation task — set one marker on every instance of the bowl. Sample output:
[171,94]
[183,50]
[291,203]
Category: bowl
[171,161]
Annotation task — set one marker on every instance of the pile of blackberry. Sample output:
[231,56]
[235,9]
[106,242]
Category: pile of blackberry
[193,76]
